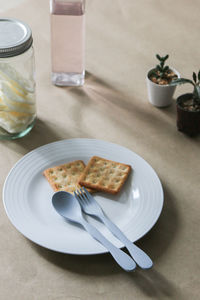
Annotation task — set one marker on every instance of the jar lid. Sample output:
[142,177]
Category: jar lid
[15,37]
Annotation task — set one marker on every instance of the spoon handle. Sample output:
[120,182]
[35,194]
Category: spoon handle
[124,260]
[140,257]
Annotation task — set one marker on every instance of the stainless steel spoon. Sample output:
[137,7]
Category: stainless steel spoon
[68,207]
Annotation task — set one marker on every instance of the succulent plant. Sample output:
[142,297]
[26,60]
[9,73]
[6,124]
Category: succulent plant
[162,74]
[161,69]
[196,86]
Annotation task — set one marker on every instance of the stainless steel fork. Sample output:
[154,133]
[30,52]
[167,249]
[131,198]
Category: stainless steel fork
[91,207]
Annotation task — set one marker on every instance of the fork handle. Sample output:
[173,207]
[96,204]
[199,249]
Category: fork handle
[123,259]
[140,257]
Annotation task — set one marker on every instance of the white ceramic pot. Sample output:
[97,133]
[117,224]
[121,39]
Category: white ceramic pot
[160,95]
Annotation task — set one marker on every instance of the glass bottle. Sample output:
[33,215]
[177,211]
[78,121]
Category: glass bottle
[17,82]
[67,42]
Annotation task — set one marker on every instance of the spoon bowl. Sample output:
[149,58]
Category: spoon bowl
[67,206]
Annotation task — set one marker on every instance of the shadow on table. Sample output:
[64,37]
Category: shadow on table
[162,235]
[156,243]
[125,110]
[41,134]
[116,107]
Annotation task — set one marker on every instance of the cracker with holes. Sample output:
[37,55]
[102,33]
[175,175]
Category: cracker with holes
[65,177]
[104,175]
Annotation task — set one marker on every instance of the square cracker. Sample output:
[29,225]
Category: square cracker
[65,177]
[104,175]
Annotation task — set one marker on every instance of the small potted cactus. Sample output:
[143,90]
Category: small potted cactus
[160,92]
[188,106]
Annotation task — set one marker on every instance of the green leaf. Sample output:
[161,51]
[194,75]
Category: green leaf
[166,57]
[166,68]
[194,77]
[199,75]
[154,74]
[158,57]
[159,68]
[179,81]
[197,92]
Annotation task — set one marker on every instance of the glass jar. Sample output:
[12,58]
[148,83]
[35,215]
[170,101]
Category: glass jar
[17,79]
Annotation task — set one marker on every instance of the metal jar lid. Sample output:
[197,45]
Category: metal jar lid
[15,37]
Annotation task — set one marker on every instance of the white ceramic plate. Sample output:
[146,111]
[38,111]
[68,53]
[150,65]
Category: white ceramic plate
[27,197]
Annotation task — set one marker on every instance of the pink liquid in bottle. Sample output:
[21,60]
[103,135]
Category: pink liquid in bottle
[67,42]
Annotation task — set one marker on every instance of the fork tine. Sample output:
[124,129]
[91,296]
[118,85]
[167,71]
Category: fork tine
[87,193]
[75,194]
[80,193]
[80,197]
[83,194]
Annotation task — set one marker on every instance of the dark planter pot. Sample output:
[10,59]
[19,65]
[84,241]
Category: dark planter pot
[187,121]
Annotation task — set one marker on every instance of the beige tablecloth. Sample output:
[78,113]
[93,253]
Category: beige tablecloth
[121,42]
